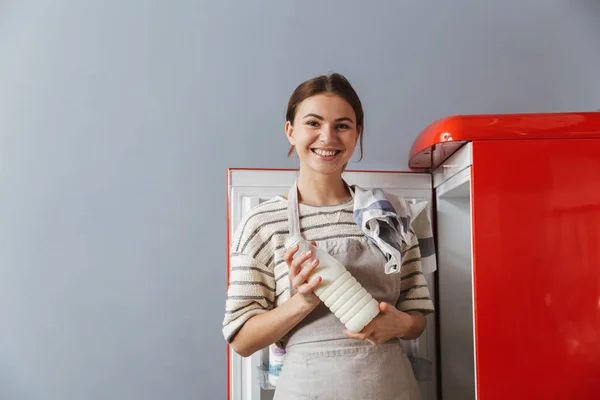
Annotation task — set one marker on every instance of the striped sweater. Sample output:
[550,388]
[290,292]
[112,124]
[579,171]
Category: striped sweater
[258,279]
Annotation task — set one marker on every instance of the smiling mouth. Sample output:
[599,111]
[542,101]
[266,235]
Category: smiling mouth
[326,153]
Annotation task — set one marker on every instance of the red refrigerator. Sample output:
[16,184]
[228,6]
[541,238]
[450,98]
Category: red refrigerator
[529,305]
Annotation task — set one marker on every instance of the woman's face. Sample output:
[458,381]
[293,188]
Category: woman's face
[324,133]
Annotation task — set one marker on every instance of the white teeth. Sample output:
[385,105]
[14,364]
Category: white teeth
[324,152]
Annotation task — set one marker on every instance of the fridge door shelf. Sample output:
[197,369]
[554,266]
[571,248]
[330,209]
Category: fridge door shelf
[263,378]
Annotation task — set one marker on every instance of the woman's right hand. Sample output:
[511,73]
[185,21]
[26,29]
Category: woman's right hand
[299,274]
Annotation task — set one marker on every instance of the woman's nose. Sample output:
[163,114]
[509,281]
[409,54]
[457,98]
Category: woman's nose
[327,134]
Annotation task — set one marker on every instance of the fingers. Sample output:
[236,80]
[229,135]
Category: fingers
[309,286]
[384,307]
[299,273]
[300,270]
[355,335]
[304,273]
[288,257]
[296,265]
[289,254]
[362,335]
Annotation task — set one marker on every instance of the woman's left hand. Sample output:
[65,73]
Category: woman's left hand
[389,323]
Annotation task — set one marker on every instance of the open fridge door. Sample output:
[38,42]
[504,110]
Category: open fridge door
[452,182]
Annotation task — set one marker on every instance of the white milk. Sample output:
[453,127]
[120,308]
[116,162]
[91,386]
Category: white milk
[339,290]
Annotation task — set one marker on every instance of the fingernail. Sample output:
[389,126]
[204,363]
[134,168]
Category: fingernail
[315,262]
[309,253]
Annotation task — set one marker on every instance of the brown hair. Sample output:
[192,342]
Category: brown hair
[335,84]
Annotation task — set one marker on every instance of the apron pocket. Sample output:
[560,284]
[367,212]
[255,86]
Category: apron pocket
[379,372]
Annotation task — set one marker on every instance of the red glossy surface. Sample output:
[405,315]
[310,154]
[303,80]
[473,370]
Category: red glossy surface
[536,232]
[440,139]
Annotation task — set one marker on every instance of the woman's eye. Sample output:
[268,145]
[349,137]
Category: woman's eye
[312,123]
[343,126]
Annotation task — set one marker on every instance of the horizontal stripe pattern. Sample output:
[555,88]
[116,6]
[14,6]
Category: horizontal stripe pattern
[259,275]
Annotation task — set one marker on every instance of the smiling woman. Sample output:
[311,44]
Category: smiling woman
[319,94]
[324,133]
[270,297]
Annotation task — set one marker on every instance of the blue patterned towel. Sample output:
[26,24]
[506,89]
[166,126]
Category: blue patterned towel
[389,221]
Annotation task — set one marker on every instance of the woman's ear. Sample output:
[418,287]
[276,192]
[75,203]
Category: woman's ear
[289,132]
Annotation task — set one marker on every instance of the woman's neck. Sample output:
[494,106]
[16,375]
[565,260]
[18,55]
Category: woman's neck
[321,190]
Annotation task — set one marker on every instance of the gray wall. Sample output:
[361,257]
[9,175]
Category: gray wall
[118,120]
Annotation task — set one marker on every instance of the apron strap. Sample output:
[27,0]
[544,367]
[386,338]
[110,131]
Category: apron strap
[293,214]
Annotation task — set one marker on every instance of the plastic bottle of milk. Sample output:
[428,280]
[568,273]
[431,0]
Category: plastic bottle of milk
[339,290]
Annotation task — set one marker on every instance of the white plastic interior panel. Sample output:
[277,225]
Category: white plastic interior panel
[455,287]
[456,163]
[248,188]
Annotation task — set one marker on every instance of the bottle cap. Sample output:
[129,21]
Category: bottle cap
[293,241]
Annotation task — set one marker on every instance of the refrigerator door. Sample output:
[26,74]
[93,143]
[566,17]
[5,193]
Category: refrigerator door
[247,188]
[536,225]
[452,182]
[530,202]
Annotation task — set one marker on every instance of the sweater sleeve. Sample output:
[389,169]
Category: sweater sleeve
[251,286]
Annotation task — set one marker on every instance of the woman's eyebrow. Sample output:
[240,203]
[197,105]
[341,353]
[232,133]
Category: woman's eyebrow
[321,118]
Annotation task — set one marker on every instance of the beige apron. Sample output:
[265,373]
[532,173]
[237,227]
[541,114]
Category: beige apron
[321,362]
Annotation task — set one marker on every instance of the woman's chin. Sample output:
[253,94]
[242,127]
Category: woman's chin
[327,169]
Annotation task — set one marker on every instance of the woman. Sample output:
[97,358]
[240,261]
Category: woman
[269,299]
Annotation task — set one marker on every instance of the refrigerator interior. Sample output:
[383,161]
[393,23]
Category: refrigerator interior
[248,378]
